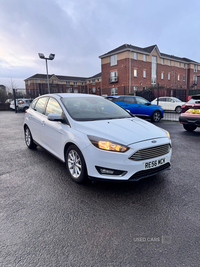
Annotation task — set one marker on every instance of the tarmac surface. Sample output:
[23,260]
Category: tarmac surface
[48,220]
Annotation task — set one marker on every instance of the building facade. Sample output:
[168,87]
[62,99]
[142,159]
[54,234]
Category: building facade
[37,84]
[128,69]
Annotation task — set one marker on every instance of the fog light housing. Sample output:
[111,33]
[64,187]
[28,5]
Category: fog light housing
[107,171]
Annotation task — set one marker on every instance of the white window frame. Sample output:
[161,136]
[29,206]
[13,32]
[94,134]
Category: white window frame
[162,75]
[162,61]
[144,57]
[179,64]
[135,55]
[144,73]
[135,88]
[93,90]
[169,76]
[135,72]
[178,77]
[113,76]
[113,60]
[184,78]
[114,90]
[169,62]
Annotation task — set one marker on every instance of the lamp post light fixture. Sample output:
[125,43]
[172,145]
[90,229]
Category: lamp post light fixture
[51,57]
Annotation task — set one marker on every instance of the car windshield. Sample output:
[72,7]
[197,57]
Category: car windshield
[93,108]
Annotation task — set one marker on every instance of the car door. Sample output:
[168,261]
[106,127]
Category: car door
[52,133]
[128,103]
[143,108]
[35,117]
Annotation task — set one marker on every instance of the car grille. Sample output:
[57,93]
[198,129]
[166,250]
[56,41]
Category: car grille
[151,152]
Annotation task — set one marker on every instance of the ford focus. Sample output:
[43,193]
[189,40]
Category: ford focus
[96,138]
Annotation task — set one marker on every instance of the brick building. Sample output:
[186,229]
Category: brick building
[124,70]
[128,69]
[37,84]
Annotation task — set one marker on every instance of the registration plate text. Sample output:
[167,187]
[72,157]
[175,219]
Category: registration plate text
[154,163]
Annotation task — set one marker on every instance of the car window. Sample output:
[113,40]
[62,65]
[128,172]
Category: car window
[163,99]
[129,100]
[53,107]
[141,100]
[119,99]
[39,107]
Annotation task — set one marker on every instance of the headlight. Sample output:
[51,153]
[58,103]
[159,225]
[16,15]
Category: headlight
[108,145]
[167,133]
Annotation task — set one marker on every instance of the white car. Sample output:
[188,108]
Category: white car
[96,138]
[12,104]
[24,104]
[169,103]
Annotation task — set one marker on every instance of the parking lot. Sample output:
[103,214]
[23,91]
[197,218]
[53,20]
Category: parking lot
[47,220]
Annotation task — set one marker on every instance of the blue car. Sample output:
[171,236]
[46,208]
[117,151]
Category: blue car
[139,106]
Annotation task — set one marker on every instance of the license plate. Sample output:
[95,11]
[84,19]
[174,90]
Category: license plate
[194,110]
[154,163]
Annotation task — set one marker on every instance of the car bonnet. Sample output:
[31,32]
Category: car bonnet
[125,131]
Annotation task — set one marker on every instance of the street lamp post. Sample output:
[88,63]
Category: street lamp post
[51,57]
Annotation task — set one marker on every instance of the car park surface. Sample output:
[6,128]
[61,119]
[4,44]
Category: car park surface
[47,220]
[96,138]
[169,103]
[139,106]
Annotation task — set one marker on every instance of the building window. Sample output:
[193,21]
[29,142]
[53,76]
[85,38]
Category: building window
[135,88]
[135,56]
[178,77]
[93,81]
[144,57]
[184,66]
[114,91]
[135,72]
[54,82]
[194,79]
[162,75]
[169,62]
[113,76]
[184,78]
[195,68]
[162,61]
[179,64]
[38,81]
[144,73]
[76,91]
[113,60]
[68,83]
[75,83]
[168,76]
[93,90]
[28,83]
[153,70]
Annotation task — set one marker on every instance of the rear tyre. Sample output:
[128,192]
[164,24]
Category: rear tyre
[156,116]
[75,165]
[178,109]
[28,138]
[189,128]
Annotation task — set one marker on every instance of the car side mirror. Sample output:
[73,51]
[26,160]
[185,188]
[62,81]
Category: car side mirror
[55,117]
[148,103]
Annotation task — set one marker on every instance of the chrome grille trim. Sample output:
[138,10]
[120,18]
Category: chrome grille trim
[151,152]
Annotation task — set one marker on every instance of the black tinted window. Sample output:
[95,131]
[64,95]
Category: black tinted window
[129,100]
[118,99]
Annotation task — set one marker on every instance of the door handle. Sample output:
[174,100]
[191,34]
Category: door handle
[43,123]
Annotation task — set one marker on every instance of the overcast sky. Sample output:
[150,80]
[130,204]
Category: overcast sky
[79,31]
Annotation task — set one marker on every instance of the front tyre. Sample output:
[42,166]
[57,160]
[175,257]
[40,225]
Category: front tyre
[156,116]
[189,128]
[75,164]
[28,138]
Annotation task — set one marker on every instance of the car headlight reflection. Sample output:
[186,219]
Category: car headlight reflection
[107,144]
